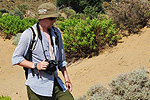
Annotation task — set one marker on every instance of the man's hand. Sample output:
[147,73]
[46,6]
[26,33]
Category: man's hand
[69,85]
[42,65]
[67,80]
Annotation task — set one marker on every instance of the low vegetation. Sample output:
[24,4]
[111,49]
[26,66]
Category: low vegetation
[132,86]
[86,37]
[5,98]
[11,25]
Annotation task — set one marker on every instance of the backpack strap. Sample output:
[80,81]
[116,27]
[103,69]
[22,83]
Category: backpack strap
[31,48]
[34,37]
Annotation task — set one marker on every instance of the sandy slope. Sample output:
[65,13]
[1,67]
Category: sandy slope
[11,77]
[132,53]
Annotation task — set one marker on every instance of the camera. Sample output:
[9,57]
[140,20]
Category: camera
[51,67]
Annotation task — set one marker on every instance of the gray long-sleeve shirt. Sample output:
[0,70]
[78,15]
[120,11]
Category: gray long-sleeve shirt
[40,85]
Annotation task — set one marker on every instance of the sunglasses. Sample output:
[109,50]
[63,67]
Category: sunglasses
[52,18]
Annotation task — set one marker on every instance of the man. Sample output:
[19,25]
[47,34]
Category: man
[43,83]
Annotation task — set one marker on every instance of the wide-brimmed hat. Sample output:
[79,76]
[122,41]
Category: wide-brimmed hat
[47,10]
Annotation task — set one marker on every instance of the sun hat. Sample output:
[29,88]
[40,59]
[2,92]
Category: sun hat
[47,10]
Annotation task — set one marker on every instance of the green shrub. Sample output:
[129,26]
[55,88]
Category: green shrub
[0,14]
[132,86]
[131,15]
[85,37]
[12,25]
[91,11]
[28,22]
[80,16]
[5,98]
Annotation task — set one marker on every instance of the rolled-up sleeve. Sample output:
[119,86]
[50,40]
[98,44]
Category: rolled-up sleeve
[21,49]
[62,61]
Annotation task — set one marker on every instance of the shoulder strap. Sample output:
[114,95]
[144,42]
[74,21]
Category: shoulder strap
[34,37]
[32,43]
[31,48]
[38,31]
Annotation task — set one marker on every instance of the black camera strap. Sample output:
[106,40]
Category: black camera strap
[52,43]
[40,37]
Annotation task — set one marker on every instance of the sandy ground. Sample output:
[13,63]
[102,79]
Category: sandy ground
[131,53]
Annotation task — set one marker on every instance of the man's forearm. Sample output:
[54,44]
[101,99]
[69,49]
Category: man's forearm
[27,64]
[65,74]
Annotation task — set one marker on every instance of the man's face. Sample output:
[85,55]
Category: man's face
[50,21]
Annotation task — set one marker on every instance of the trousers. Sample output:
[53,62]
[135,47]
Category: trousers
[58,94]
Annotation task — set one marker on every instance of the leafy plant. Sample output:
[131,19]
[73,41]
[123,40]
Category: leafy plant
[84,37]
[91,11]
[0,14]
[5,98]
[12,25]
[28,22]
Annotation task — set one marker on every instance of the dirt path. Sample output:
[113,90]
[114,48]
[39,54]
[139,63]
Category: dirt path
[11,77]
[132,53]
